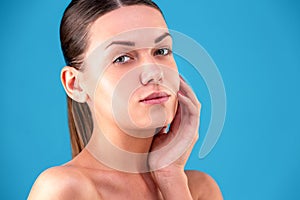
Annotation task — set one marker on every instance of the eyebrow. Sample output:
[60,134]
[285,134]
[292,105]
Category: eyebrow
[160,38]
[128,43]
[125,43]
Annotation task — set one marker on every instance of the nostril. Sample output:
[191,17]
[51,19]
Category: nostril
[144,79]
[151,75]
[146,82]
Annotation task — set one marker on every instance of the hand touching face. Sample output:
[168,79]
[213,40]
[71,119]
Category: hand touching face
[131,77]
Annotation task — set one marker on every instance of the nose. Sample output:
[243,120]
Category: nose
[151,74]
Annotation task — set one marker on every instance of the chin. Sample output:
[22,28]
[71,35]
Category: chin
[161,116]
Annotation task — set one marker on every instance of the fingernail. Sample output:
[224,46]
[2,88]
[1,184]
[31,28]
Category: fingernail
[181,78]
[181,93]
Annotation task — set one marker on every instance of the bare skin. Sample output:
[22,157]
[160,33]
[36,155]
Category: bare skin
[85,177]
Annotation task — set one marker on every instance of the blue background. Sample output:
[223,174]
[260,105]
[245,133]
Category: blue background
[256,46]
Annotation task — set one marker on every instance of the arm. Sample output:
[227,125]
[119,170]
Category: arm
[173,186]
[190,185]
[176,146]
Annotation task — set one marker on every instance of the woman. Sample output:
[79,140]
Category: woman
[123,91]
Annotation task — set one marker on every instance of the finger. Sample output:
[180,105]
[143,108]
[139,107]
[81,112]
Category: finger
[188,106]
[186,120]
[181,78]
[187,91]
[163,130]
[174,126]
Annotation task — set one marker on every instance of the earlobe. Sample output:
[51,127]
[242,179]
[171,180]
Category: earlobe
[70,81]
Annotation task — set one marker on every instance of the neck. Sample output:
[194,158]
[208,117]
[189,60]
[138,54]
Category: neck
[120,151]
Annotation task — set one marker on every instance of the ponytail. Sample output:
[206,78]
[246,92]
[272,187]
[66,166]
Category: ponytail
[74,35]
[80,125]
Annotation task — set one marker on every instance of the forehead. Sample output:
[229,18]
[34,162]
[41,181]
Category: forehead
[142,22]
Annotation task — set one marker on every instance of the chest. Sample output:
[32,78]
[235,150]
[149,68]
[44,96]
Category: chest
[122,188]
[132,193]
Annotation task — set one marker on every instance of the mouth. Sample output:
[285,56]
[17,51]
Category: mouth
[156,98]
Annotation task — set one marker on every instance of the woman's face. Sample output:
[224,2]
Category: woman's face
[129,58]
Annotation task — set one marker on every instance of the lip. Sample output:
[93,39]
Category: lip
[156,98]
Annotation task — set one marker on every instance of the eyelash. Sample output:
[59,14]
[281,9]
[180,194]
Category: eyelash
[117,60]
[166,51]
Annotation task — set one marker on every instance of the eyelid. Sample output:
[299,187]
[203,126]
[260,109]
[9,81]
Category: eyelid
[164,48]
[131,57]
[122,55]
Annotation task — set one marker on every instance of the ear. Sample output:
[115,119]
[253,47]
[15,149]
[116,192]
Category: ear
[70,81]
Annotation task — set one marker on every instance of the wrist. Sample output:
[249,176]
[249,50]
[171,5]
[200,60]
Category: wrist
[169,176]
[172,185]
[169,173]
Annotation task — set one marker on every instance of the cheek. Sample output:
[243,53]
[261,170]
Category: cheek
[125,86]
[117,98]
[171,78]
[102,103]
[172,110]
[103,94]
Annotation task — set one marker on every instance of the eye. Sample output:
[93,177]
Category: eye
[122,59]
[162,52]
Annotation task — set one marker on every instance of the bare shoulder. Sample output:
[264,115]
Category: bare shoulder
[203,186]
[62,182]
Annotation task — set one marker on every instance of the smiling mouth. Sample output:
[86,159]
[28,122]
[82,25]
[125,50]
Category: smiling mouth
[156,98]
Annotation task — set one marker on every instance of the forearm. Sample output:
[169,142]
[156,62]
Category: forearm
[174,187]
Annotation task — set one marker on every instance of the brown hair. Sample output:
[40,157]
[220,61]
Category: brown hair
[74,32]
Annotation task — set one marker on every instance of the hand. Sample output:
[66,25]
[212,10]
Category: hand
[175,146]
